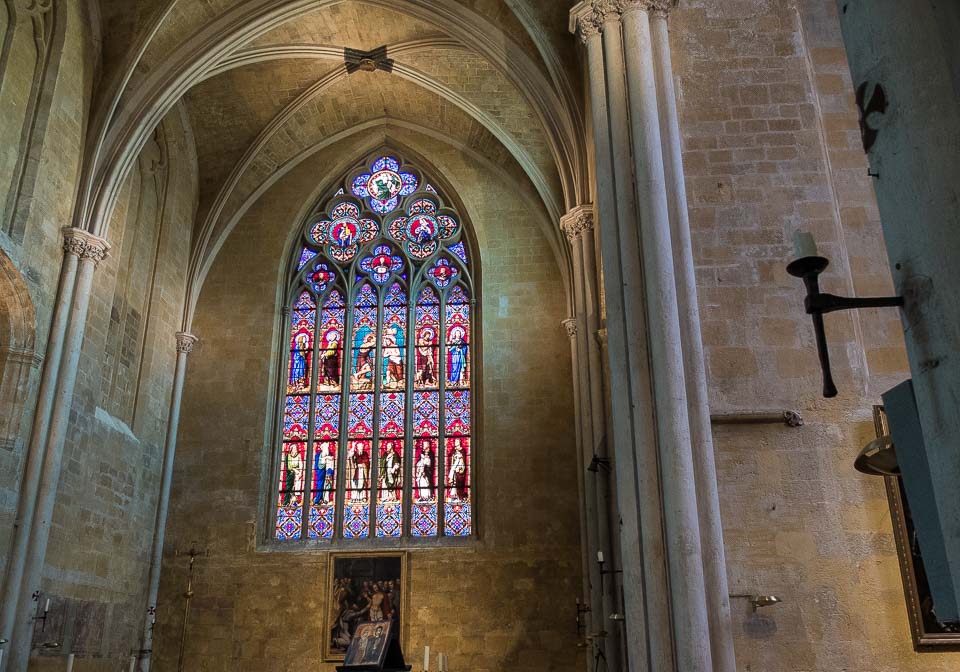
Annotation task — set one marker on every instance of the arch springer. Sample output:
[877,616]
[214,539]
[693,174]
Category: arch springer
[577,222]
[85,245]
[185,342]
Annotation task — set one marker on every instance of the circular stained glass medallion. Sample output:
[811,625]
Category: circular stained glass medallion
[421,229]
[384,185]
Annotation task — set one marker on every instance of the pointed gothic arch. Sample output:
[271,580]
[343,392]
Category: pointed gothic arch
[375,429]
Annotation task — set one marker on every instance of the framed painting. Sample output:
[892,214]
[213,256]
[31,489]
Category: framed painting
[364,588]
[369,646]
[929,634]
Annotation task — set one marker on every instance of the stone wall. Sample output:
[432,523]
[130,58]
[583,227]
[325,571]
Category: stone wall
[507,597]
[103,521]
[772,145]
[33,254]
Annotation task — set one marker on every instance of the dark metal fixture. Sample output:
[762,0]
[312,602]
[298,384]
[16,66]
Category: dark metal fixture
[817,303]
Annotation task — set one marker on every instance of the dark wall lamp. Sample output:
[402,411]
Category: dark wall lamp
[808,266]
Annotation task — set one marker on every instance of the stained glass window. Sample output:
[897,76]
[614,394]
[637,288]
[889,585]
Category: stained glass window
[376,437]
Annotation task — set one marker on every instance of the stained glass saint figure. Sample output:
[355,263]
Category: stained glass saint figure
[376,383]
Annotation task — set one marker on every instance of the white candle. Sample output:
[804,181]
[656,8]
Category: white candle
[600,556]
[70,663]
[133,663]
[804,245]
[47,608]
[1,655]
[443,662]
[426,658]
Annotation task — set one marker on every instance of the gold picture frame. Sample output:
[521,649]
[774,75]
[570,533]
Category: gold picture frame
[928,634]
[352,579]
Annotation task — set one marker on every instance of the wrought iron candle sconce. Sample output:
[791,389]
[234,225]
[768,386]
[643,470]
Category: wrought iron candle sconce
[808,267]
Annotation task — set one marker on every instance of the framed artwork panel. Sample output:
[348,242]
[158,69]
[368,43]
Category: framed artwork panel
[928,633]
[363,588]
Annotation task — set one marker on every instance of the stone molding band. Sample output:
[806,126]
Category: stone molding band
[185,342]
[577,222]
[85,245]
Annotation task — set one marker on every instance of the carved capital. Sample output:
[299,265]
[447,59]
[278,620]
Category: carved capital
[185,342]
[73,241]
[588,18]
[34,7]
[85,245]
[96,251]
[571,327]
[655,7]
[577,222]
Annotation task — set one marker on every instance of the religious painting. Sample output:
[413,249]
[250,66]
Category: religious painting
[929,634]
[364,590]
[369,645]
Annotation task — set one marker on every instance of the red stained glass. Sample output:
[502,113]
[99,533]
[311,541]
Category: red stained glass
[377,405]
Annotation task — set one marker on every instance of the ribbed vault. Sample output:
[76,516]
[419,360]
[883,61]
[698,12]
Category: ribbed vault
[265,87]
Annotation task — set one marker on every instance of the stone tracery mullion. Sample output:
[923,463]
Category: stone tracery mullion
[376,262]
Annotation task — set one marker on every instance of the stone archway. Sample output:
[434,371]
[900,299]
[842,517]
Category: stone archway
[17,356]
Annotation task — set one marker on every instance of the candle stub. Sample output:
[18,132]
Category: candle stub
[599,556]
[804,245]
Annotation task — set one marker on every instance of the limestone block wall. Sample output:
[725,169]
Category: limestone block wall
[33,252]
[103,523]
[503,601]
[772,145]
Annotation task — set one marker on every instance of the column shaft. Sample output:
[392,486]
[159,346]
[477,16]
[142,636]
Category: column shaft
[573,227]
[622,430]
[593,382]
[38,434]
[649,473]
[585,585]
[53,457]
[691,627]
[698,403]
[185,343]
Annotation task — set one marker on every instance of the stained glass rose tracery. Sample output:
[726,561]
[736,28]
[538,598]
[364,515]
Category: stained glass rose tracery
[384,184]
[375,428]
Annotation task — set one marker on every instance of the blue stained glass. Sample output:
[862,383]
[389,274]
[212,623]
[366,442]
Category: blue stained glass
[321,522]
[389,523]
[378,340]
[426,413]
[457,418]
[361,415]
[305,256]
[356,522]
[327,422]
[443,273]
[409,183]
[359,186]
[391,414]
[459,250]
[383,207]
[320,278]
[385,163]
[381,264]
[295,418]
[457,521]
